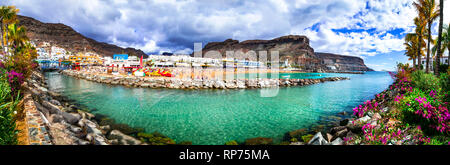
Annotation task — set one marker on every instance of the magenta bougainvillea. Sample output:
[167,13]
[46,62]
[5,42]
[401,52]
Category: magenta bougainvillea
[15,80]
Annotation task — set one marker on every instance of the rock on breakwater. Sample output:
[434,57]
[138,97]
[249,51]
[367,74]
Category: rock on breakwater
[174,83]
[65,123]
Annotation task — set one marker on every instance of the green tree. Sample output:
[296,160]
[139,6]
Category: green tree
[446,39]
[411,47]
[17,36]
[8,15]
[420,32]
[429,11]
[439,40]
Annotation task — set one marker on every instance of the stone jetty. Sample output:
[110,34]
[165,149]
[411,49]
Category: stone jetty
[174,83]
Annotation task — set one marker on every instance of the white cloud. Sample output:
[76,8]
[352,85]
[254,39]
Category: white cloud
[170,25]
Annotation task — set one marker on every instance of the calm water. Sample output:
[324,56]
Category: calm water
[218,116]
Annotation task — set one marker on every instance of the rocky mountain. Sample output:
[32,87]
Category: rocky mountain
[294,49]
[342,63]
[65,37]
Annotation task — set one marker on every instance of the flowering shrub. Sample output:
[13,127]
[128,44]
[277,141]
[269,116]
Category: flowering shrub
[428,107]
[7,106]
[382,135]
[15,80]
[368,106]
[419,100]
[403,86]
[425,82]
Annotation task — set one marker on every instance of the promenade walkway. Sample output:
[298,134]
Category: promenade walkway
[36,128]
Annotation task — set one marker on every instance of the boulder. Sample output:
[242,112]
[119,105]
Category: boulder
[240,84]
[123,139]
[91,127]
[329,137]
[55,102]
[99,140]
[376,116]
[337,141]
[337,129]
[71,118]
[318,140]
[344,122]
[114,142]
[82,142]
[51,107]
[81,123]
[219,84]
[363,119]
[44,111]
[341,133]
[75,129]
[55,118]
[73,108]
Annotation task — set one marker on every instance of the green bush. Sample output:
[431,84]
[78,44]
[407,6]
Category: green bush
[444,81]
[424,108]
[8,132]
[156,138]
[443,68]
[307,138]
[232,143]
[425,81]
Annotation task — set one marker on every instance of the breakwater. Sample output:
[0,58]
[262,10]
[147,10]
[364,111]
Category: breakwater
[54,120]
[174,83]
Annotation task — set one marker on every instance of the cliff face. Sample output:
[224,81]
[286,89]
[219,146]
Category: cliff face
[293,48]
[65,37]
[342,63]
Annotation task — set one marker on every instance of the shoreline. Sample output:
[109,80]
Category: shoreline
[345,129]
[106,129]
[66,123]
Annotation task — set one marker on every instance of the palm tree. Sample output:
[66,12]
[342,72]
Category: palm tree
[437,54]
[8,15]
[420,32]
[410,52]
[439,40]
[428,10]
[446,40]
[17,36]
[410,43]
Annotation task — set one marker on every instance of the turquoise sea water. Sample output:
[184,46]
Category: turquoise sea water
[217,116]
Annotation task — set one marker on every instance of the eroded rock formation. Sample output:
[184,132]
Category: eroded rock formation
[64,36]
[342,63]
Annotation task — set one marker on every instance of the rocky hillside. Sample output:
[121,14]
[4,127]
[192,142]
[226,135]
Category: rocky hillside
[294,48]
[64,36]
[342,63]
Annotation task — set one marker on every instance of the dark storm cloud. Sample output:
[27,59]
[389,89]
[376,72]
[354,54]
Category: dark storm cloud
[172,25]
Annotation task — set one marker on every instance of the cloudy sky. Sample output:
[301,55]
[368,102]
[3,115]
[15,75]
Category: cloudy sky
[371,29]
